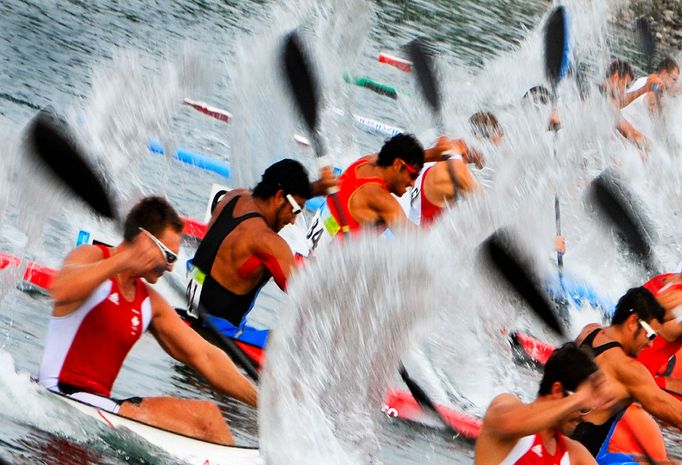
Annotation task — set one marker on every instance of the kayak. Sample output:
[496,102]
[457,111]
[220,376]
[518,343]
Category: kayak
[190,450]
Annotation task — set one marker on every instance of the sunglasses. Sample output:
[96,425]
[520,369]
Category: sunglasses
[170,256]
[585,411]
[414,174]
[295,207]
[650,333]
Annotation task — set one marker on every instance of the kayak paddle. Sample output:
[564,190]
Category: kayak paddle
[556,42]
[52,146]
[423,67]
[502,253]
[304,87]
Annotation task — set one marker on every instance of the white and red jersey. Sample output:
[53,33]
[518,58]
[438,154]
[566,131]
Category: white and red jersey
[420,210]
[530,450]
[86,348]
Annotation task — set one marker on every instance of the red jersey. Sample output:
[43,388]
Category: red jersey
[349,183]
[86,348]
[530,450]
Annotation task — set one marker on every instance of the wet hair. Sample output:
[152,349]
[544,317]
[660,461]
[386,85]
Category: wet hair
[403,146]
[569,365]
[640,301]
[668,64]
[622,68]
[538,95]
[484,124]
[154,214]
[287,175]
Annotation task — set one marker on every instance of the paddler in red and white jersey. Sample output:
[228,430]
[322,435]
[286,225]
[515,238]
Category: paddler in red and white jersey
[241,250]
[635,321]
[434,189]
[516,433]
[102,306]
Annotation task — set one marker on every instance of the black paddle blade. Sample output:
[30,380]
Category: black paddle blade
[423,400]
[556,46]
[503,254]
[647,42]
[619,205]
[302,82]
[52,147]
[422,65]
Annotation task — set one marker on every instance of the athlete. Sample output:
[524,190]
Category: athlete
[434,188]
[515,433]
[241,250]
[367,189]
[660,358]
[665,79]
[633,326]
[102,306]
[539,97]
[619,76]
[484,126]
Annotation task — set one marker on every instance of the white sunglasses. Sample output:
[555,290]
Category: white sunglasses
[170,256]
[295,207]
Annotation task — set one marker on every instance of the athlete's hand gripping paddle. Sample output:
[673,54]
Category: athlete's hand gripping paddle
[304,87]
[51,145]
[423,67]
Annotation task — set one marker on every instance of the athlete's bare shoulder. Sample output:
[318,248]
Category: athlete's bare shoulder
[244,205]
[578,454]
[586,331]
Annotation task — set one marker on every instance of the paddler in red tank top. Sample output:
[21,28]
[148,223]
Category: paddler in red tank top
[366,187]
[516,433]
[101,308]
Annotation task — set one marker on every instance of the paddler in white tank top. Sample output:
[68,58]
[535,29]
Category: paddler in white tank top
[516,433]
[617,88]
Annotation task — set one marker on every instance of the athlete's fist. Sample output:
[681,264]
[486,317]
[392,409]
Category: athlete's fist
[144,256]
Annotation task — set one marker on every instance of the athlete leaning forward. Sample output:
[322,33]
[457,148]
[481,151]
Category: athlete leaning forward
[102,307]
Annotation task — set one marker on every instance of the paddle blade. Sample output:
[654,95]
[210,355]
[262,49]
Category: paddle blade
[422,65]
[49,142]
[620,207]
[557,62]
[302,81]
[503,255]
[423,399]
[647,42]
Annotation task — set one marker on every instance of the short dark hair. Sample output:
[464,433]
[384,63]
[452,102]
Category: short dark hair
[668,64]
[622,68]
[154,214]
[569,365]
[403,146]
[640,301]
[484,124]
[287,175]
[539,95]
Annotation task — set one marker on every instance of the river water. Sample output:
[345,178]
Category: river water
[118,72]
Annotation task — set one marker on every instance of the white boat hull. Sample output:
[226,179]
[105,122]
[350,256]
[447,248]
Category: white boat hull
[187,449]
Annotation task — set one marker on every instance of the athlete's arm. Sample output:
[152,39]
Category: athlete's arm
[385,207]
[271,251]
[438,186]
[185,345]
[628,131]
[578,453]
[508,418]
[642,387]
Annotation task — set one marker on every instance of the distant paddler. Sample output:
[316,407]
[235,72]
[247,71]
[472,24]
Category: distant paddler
[241,250]
[102,306]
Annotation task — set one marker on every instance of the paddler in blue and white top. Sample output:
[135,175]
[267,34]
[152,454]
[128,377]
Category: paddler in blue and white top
[102,306]
[516,433]
[241,250]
